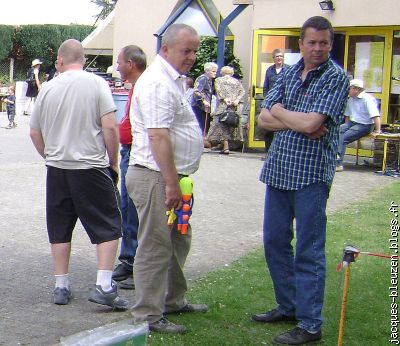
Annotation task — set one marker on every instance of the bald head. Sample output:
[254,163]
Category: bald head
[71,53]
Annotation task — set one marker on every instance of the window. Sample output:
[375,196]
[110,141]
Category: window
[365,60]
[394,97]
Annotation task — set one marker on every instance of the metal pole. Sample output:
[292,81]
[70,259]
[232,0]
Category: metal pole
[344,304]
[221,34]
[11,70]
[349,256]
[170,21]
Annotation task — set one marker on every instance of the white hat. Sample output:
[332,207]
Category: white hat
[358,83]
[36,62]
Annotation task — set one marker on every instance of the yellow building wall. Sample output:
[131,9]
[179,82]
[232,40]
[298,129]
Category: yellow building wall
[136,21]
[292,13]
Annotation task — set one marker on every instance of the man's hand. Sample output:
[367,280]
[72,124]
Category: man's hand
[37,140]
[173,196]
[375,133]
[114,174]
[309,124]
[276,108]
[322,130]
[268,122]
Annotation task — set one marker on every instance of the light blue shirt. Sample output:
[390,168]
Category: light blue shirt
[362,109]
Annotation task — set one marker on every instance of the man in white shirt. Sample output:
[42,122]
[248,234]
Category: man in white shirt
[362,118]
[167,144]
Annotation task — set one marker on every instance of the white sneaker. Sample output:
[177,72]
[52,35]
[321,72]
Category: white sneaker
[339,168]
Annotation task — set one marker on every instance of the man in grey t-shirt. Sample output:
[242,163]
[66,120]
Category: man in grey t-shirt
[73,128]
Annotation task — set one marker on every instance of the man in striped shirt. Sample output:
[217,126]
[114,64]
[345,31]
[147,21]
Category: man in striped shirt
[167,144]
[305,109]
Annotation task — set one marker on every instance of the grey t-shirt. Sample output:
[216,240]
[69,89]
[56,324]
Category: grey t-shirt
[68,113]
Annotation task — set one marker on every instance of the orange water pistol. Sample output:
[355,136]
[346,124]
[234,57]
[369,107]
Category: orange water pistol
[183,214]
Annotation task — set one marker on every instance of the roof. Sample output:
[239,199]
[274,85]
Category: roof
[101,40]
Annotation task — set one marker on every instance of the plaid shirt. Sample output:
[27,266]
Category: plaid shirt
[295,161]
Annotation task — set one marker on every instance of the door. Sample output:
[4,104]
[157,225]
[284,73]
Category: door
[264,42]
[367,58]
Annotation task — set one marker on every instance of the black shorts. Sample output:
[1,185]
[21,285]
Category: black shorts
[88,194]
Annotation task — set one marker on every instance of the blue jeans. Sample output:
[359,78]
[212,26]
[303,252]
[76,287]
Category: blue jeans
[298,277]
[350,132]
[130,220]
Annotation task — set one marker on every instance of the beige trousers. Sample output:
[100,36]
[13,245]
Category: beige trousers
[161,254]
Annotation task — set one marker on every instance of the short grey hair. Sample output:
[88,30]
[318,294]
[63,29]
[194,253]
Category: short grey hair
[136,55]
[170,36]
[209,66]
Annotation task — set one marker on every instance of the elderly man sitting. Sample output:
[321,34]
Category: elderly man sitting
[362,118]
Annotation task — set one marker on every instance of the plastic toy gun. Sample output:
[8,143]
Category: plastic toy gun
[183,214]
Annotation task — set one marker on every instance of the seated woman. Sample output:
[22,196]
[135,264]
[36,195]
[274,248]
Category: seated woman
[229,92]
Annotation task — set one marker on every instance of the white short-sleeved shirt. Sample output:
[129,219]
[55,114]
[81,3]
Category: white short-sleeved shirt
[362,109]
[159,102]
[68,113]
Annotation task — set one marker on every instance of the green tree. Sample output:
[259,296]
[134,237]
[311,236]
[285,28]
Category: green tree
[6,41]
[42,42]
[107,6]
[208,53]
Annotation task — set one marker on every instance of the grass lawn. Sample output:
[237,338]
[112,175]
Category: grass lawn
[236,292]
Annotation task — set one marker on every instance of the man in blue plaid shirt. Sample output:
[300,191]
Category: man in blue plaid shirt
[305,109]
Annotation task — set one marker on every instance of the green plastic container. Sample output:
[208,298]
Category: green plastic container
[122,333]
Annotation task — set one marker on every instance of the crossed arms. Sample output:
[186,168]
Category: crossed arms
[278,118]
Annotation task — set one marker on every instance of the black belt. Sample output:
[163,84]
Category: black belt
[140,166]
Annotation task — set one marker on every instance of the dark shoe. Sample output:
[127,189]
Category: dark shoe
[297,336]
[272,316]
[163,325]
[121,272]
[62,296]
[97,295]
[190,308]
[127,284]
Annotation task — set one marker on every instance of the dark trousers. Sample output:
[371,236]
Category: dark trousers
[203,119]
